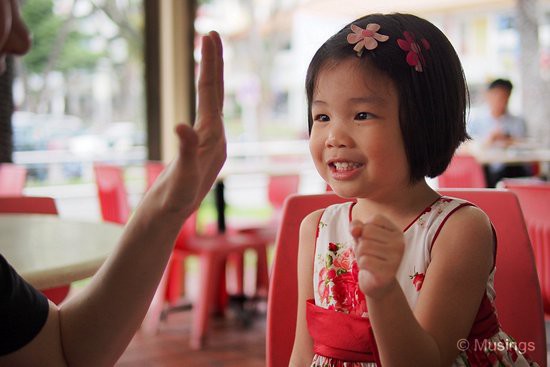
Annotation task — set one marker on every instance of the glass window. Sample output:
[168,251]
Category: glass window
[79,92]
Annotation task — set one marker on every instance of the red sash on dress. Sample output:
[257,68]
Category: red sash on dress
[486,323]
[340,335]
[350,337]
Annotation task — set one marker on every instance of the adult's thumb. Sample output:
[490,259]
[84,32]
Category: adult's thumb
[188,139]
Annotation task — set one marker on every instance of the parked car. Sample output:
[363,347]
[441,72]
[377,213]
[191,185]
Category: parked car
[33,131]
[45,132]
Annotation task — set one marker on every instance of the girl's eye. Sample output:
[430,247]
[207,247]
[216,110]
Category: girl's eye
[363,116]
[321,118]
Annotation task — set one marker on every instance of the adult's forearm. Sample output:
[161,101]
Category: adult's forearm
[98,323]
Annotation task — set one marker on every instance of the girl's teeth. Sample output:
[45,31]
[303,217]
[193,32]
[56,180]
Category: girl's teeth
[345,166]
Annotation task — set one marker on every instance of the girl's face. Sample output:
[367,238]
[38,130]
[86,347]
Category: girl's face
[355,140]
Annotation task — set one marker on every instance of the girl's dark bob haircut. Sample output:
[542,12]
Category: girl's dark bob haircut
[432,102]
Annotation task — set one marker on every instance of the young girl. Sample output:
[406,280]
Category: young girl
[401,276]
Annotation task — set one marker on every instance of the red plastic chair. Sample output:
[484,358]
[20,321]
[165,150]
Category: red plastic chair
[278,189]
[464,171]
[281,187]
[518,299]
[211,250]
[111,192]
[12,179]
[258,236]
[152,170]
[535,204]
[35,205]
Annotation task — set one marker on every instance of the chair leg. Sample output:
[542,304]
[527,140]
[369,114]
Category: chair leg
[221,300]
[210,267]
[262,272]
[150,323]
[174,279]
[238,263]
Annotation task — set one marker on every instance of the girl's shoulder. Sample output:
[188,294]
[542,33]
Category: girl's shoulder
[448,215]
[450,205]
[469,230]
[447,206]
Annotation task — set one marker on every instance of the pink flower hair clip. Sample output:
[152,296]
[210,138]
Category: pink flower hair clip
[414,52]
[365,38]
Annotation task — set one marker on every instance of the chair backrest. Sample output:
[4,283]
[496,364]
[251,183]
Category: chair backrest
[27,204]
[187,230]
[283,291]
[280,187]
[111,192]
[12,179]
[535,204]
[464,171]
[515,282]
[152,170]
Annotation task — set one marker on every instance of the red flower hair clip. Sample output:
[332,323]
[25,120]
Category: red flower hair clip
[365,38]
[414,52]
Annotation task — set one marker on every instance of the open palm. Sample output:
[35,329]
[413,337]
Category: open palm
[202,150]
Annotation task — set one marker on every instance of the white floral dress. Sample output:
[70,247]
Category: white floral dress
[336,288]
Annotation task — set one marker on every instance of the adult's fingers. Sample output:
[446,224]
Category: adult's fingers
[209,107]
[219,66]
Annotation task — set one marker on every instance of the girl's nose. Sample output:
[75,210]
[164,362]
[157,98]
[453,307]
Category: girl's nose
[338,136]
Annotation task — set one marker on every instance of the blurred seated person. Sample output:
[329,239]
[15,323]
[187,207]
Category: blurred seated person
[496,127]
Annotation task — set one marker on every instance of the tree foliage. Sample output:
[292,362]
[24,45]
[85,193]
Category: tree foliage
[47,29]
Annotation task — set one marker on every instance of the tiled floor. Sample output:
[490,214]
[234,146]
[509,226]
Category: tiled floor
[230,344]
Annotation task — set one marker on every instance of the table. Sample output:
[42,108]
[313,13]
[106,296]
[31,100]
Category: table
[523,153]
[49,251]
[514,154]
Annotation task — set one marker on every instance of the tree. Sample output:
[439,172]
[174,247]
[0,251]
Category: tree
[56,41]
[128,17]
[57,45]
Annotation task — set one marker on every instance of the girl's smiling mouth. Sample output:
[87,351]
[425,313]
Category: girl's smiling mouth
[344,170]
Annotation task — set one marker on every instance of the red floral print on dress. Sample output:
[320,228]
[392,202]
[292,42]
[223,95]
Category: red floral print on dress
[414,51]
[417,280]
[344,260]
[338,281]
[326,281]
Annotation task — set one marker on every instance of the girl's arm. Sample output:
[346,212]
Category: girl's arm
[462,258]
[94,327]
[302,351]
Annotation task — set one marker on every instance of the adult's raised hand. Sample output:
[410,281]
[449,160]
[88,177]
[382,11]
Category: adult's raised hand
[202,150]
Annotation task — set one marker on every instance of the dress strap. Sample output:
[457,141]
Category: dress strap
[340,335]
